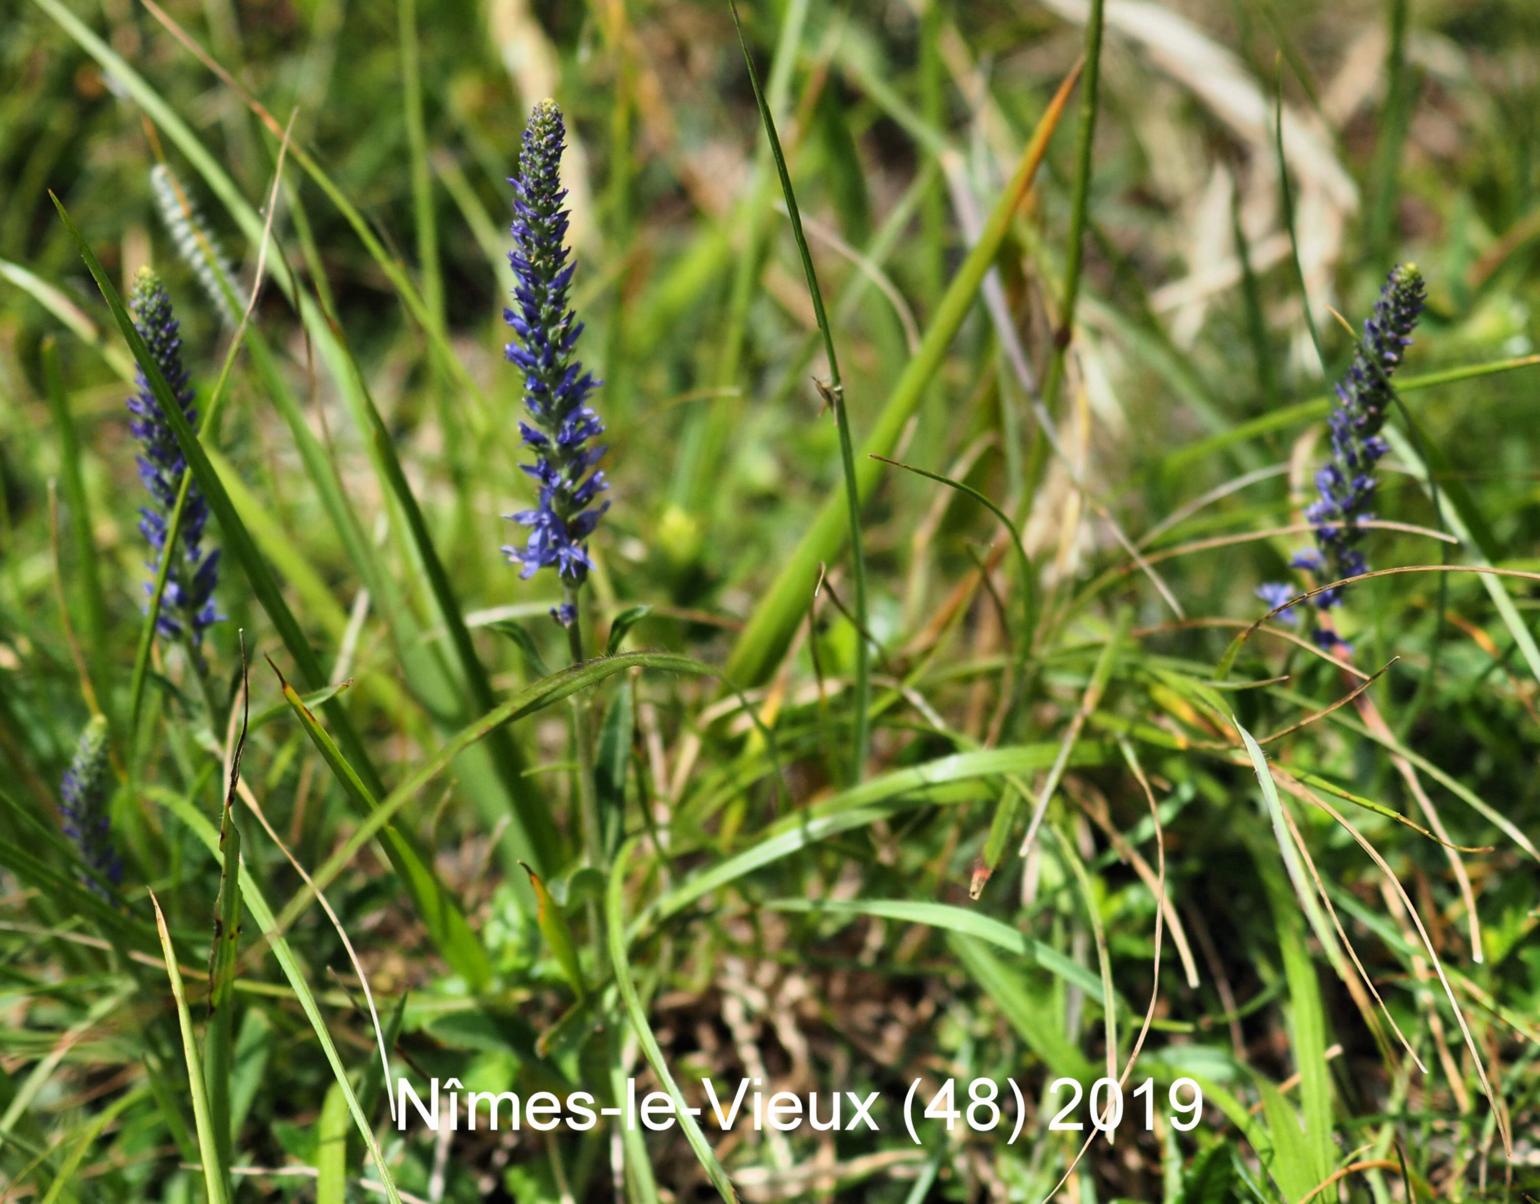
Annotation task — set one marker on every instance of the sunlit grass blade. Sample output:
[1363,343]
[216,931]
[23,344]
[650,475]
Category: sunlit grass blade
[962,920]
[438,909]
[614,906]
[835,393]
[68,313]
[944,780]
[216,1172]
[256,904]
[1307,1024]
[768,630]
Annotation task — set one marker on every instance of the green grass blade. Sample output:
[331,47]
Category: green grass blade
[216,1172]
[1307,1021]
[614,906]
[226,947]
[862,695]
[963,920]
[94,603]
[67,312]
[1464,521]
[533,829]
[880,798]
[331,1156]
[528,701]
[256,904]
[769,628]
[440,912]
[1090,105]
[237,538]
[1031,1012]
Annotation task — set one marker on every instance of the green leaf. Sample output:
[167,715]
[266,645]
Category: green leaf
[440,911]
[615,915]
[961,920]
[834,393]
[612,759]
[331,1157]
[622,623]
[530,650]
[944,780]
[558,936]
[216,1172]
[1307,1019]
[770,625]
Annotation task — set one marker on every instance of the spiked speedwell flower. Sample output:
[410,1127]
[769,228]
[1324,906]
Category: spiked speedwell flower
[1346,482]
[83,805]
[556,387]
[187,605]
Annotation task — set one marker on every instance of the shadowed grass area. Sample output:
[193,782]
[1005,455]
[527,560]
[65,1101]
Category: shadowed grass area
[923,751]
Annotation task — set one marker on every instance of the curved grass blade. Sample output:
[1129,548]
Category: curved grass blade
[962,920]
[532,698]
[66,311]
[770,626]
[256,903]
[440,912]
[944,780]
[835,394]
[216,1172]
[613,906]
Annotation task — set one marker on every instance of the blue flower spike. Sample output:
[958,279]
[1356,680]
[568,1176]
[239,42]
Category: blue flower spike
[562,428]
[83,808]
[1346,482]
[187,606]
